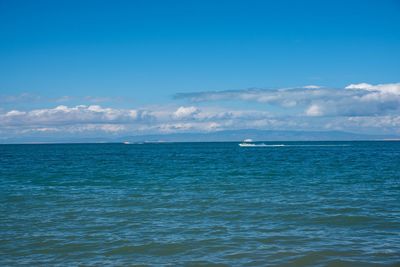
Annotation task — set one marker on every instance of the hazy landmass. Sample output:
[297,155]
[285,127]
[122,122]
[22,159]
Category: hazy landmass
[218,136]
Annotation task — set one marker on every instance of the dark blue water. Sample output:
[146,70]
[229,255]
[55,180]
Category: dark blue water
[317,204]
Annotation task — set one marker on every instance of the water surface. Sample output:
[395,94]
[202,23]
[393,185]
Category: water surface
[303,204]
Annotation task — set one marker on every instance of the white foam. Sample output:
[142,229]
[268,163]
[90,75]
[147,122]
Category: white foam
[259,145]
[282,145]
[319,145]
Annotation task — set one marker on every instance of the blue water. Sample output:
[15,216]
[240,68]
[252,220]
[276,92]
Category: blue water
[200,204]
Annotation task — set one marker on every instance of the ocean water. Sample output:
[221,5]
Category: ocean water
[200,204]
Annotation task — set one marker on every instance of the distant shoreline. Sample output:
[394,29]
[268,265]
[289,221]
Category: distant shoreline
[177,142]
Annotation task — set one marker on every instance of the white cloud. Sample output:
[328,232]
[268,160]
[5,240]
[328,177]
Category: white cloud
[356,107]
[188,126]
[354,100]
[89,118]
[14,113]
[108,128]
[312,87]
[185,112]
[63,115]
[314,110]
[389,88]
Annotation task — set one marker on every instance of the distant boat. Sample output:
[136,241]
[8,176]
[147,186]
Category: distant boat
[247,142]
[127,143]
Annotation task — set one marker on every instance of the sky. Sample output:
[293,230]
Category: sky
[110,68]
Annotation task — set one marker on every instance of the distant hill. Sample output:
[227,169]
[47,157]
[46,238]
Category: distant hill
[218,136]
[257,135]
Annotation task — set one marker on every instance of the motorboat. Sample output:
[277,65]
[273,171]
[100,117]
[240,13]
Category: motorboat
[247,142]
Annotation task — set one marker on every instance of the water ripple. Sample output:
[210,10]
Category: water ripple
[319,204]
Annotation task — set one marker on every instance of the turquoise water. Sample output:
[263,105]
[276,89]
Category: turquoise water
[305,204]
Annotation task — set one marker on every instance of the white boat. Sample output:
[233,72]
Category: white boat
[247,142]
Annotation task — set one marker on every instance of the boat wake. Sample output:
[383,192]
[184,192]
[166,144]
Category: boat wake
[259,145]
[282,145]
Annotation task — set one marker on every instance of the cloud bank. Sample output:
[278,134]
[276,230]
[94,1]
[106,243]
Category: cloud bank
[354,100]
[357,107]
[96,118]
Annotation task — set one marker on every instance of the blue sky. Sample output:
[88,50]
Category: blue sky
[138,56]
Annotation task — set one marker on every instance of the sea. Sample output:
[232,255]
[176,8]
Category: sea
[200,204]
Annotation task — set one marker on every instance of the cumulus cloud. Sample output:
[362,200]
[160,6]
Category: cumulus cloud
[63,115]
[185,112]
[89,118]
